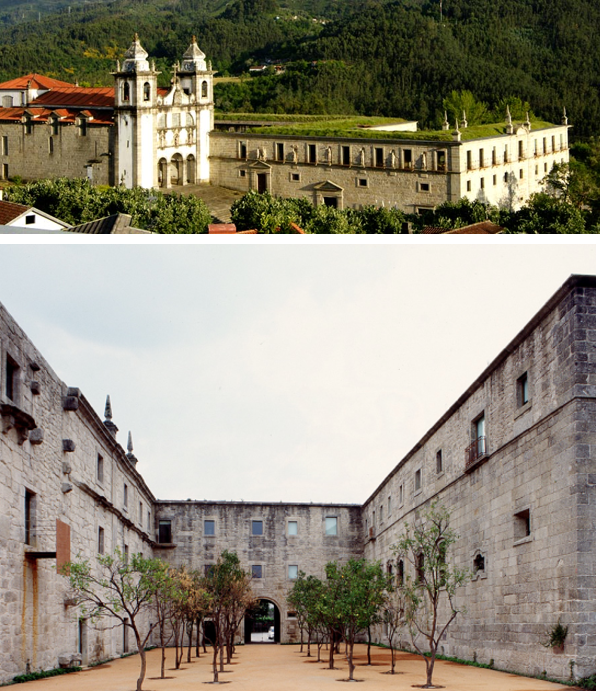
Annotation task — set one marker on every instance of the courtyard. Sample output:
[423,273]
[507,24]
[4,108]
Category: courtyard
[285,668]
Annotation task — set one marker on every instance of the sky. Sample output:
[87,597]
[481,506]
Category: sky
[277,372]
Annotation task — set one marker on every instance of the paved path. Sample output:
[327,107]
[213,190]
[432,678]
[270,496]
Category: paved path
[218,199]
[284,668]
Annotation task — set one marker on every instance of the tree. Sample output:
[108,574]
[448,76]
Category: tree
[358,588]
[426,546]
[304,597]
[122,589]
[394,616]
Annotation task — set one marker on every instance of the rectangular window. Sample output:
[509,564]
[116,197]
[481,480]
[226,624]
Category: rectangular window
[165,536]
[424,186]
[279,153]
[125,495]
[401,495]
[468,185]
[257,527]
[553,143]
[5,174]
[521,154]
[100,469]
[494,156]
[381,514]
[520,173]
[243,150]
[148,522]
[506,178]
[292,527]
[30,219]
[407,158]
[417,480]
[331,526]
[292,572]
[5,145]
[50,145]
[482,183]
[126,554]
[100,540]
[29,517]
[256,571]
[312,153]
[522,390]
[28,126]
[505,154]
[469,160]
[379,157]
[295,177]
[83,127]
[544,145]
[494,180]
[441,161]
[481,159]
[439,463]
[55,127]
[141,513]
[362,182]
[345,155]
[420,568]
[11,378]
[242,173]
[535,147]
[389,506]
[209,527]
[522,524]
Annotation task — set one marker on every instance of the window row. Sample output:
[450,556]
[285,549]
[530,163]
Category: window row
[257,528]
[349,155]
[493,157]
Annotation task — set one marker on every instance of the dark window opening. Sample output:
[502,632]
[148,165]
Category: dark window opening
[209,527]
[312,153]
[407,157]
[295,177]
[279,152]
[469,161]
[30,219]
[126,554]
[362,182]
[479,563]
[379,158]
[400,572]
[100,540]
[11,378]
[257,527]
[146,91]
[100,468]
[441,161]
[29,516]
[420,566]
[204,89]
[424,186]
[164,532]
[345,155]
[50,145]
[439,464]
[522,390]
[481,159]
[28,126]
[125,495]
[243,150]
[522,524]
[418,480]
[331,201]
[256,571]
[521,154]
[126,92]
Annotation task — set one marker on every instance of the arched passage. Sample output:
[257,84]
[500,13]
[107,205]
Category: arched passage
[262,622]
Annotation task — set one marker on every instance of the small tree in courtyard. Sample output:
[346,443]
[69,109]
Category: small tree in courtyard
[359,587]
[122,589]
[430,593]
[393,616]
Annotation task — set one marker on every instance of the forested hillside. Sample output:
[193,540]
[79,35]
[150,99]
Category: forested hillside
[398,58]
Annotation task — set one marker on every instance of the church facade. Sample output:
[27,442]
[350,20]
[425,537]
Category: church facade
[139,134]
[513,460]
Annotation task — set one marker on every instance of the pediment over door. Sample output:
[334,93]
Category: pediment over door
[259,166]
[328,186]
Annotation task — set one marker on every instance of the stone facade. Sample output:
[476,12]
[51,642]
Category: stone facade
[523,497]
[513,459]
[53,504]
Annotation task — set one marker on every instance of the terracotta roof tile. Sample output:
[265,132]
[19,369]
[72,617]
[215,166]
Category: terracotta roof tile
[481,228]
[38,81]
[98,117]
[77,96]
[9,211]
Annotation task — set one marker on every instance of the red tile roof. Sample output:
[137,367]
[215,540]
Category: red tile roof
[98,117]
[481,228]
[38,81]
[9,211]
[78,97]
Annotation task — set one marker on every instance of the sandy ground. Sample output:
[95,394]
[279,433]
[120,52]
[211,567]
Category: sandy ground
[264,667]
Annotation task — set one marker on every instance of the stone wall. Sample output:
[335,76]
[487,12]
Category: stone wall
[48,460]
[397,182]
[30,156]
[275,550]
[538,463]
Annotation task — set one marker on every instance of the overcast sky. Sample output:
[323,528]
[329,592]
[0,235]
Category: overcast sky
[277,373]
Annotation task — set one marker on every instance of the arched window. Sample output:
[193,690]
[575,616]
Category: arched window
[204,89]
[146,91]
[126,92]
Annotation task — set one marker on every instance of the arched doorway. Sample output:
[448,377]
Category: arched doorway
[190,170]
[176,170]
[263,623]
[163,173]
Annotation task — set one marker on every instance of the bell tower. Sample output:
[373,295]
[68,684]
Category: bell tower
[135,118]
[196,79]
